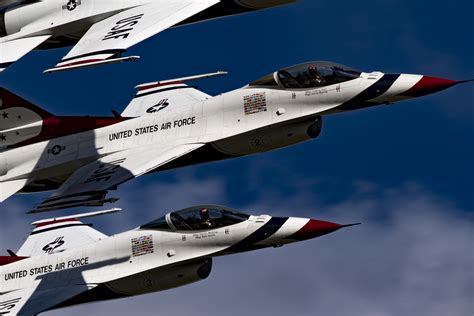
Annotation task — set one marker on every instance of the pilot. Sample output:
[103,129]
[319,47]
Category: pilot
[315,76]
[206,220]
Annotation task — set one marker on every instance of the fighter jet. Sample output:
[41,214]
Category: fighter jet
[65,262]
[169,124]
[101,30]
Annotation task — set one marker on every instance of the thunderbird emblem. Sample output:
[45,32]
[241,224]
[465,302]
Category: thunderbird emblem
[58,242]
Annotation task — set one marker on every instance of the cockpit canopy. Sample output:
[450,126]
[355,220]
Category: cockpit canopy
[201,217]
[308,75]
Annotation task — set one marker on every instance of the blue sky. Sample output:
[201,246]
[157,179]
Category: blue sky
[404,170]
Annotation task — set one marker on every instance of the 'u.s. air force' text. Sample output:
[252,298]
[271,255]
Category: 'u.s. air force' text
[75,263]
[152,128]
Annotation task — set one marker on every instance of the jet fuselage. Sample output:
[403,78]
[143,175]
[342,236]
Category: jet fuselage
[66,255]
[274,112]
[245,121]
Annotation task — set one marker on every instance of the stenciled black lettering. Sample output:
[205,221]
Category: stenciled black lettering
[120,135]
[117,34]
[129,19]
[185,122]
[16,275]
[121,26]
[120,30]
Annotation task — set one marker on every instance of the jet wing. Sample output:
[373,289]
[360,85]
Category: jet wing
[32,301]
[11,51]
[88,185]
[106,40]
[9,188]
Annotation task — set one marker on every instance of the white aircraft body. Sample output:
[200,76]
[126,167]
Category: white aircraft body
[65,262]
[101,30]
[170,124]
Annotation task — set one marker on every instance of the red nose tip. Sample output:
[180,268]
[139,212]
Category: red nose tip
[315,228]
[428,85]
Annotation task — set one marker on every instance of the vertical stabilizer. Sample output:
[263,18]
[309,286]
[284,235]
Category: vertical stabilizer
[19,119]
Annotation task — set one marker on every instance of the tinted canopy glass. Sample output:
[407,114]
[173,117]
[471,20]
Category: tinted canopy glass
[309,75]
[198,218]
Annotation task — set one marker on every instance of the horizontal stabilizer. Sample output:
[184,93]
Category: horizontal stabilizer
[9,188]
[11,51]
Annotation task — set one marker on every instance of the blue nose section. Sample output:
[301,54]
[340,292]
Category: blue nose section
[362,100]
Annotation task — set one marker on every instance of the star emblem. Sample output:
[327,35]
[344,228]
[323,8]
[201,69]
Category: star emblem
[56,150]
[3,138]
[71,5]
[5,115]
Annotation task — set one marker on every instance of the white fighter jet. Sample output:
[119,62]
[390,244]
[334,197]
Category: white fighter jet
[101,30]
[170,124]
[65,262]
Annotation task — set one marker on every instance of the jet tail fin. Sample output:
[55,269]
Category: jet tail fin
[19,119]
[12,50]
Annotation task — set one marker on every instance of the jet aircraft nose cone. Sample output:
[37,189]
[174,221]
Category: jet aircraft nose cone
[428,85]
[315,228]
